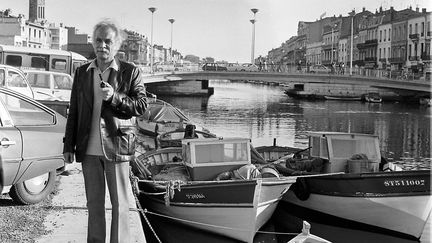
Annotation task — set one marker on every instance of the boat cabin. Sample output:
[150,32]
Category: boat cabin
[339,150]
[206,158]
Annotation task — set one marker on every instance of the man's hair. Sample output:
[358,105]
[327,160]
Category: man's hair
[110,24]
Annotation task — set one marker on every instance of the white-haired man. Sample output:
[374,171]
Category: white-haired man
[106,94]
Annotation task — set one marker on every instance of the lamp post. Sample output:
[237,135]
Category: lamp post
[152,10]
[172,22]
[254,11]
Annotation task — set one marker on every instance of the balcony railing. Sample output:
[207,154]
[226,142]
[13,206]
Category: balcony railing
[413,58]
[396,60]
[425,57]
[370,59]
[414,36]
[372,42]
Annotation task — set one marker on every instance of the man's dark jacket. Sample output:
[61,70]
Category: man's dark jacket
[117,132]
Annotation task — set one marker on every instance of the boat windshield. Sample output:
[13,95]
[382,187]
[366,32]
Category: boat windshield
[319,147]
[227,152]
[346,148]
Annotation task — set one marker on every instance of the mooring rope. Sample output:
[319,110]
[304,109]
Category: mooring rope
[135,190]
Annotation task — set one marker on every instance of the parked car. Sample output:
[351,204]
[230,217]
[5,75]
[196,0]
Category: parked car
[13,78]
[233,67]
[48,85]
[31,147]
[318,68]
[214,67]
[249,67]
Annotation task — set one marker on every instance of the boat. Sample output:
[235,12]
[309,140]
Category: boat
[161,117]
[347,98]
[373,97]
[210,184]
[364,187]
[174,138]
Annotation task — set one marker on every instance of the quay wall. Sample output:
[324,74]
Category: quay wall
[181,88]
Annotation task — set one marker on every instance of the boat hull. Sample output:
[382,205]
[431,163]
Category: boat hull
[236,209]
[395,201]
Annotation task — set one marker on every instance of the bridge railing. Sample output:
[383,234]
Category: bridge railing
[291,69]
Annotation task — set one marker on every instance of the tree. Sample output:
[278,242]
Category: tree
[209,60]
[192,58]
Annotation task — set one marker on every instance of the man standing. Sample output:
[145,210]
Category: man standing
[106,94]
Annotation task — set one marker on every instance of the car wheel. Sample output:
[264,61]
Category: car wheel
[33,190]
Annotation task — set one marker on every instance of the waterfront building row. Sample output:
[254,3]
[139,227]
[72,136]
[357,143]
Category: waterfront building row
[386,39]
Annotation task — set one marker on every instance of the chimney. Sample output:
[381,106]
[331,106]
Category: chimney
[364,9]
[417,9]
[380,9]
[423,10]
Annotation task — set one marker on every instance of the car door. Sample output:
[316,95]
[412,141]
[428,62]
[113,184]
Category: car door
[40,136]
[11,145]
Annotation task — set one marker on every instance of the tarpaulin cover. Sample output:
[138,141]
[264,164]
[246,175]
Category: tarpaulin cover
[161,111]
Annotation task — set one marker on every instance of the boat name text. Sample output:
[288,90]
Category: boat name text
[404,183]
[195,196]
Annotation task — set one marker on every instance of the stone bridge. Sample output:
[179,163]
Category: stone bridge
[197,82]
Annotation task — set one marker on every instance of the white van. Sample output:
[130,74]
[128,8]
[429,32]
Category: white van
[13,78]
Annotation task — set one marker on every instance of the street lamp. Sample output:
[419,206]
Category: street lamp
[172,22]
[152,10]
[254,11]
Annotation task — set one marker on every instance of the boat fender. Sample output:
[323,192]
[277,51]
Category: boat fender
[300,189]
[227,175]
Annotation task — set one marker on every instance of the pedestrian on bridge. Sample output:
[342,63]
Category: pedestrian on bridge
[106,94]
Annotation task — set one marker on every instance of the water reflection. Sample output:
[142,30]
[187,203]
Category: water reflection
[264,112]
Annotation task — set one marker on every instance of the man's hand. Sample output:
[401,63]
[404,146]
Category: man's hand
[107,91]
[69,157]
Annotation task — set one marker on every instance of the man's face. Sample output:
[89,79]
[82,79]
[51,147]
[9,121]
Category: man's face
[105,44]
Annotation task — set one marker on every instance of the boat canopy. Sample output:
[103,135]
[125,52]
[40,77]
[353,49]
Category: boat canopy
[161,111]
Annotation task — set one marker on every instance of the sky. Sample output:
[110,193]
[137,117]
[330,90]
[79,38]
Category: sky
[206,28]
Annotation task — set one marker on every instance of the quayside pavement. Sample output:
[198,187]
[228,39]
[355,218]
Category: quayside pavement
[67,223]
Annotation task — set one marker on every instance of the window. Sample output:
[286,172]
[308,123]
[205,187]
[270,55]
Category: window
[380,35]
[14,60]
[62,82]
[410,29]
[385,35]
[15,80]
[389,34]
[38,62]
[58,64]
[416,28]
[2,77]
[25,113]
[39,80]
[422,29]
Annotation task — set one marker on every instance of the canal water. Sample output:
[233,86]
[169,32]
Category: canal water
[265,114]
